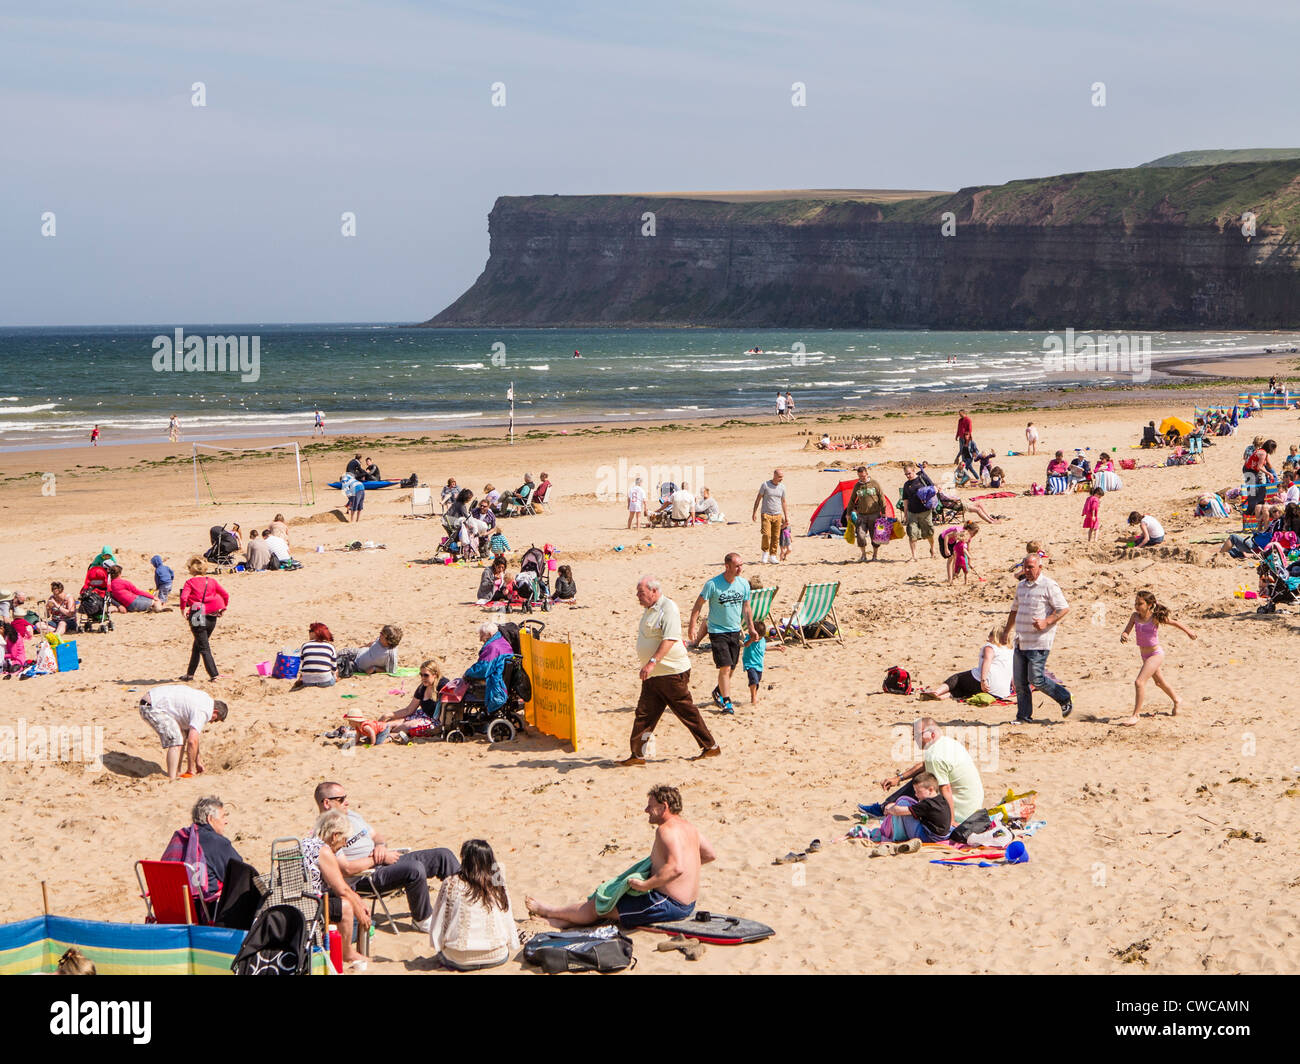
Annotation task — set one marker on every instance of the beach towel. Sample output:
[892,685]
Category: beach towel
[607,894]
[994,495]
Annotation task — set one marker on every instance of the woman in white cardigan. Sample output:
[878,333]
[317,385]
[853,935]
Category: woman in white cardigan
[473,925]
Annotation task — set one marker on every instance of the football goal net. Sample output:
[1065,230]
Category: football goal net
[278,474]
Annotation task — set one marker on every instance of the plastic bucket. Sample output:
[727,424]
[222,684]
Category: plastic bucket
[263,668]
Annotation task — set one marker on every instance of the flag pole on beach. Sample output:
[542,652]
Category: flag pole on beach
[510,394]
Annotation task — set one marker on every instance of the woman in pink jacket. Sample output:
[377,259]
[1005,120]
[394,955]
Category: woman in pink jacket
[203,600]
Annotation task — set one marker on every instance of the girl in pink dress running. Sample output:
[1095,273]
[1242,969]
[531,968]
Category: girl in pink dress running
[1092,512]
[1148,615]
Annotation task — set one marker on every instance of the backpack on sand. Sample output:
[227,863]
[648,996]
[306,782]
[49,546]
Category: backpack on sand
[601,949]
[897,681]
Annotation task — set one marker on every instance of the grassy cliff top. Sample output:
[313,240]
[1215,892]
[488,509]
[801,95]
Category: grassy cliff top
[1215,195]
[1225,155]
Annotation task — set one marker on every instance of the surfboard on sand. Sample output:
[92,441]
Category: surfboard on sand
[368,484]
[716,928]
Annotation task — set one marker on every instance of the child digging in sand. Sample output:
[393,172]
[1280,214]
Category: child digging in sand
[1032,547]
[1148,615]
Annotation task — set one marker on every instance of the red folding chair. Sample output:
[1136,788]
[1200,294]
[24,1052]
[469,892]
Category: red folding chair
[165,889]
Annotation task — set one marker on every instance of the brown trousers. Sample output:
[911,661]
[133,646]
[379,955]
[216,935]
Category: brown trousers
[668,692]
[771,542]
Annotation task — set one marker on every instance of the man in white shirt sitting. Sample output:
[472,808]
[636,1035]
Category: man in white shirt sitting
[279,548]
[683,504]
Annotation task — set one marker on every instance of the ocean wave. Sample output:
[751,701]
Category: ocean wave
[542,368]
[27,409]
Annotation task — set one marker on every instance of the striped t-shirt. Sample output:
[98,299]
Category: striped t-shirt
[317,658]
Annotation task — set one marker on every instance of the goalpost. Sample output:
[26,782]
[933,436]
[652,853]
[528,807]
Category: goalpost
[306,492]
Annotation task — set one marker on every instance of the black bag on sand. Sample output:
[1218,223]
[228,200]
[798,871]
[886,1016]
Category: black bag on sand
[975,824]
[603,949]
[347,663]
[279,943]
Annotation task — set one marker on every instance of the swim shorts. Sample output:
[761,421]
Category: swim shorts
[637,910]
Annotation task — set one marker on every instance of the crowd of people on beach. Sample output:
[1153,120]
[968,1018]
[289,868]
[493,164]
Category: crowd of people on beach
[471,922]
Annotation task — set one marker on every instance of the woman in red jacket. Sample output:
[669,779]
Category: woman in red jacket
[202,593]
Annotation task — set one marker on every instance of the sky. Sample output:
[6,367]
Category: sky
[232,212]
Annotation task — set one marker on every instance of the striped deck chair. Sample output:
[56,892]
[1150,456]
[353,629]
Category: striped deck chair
[760,602]
[816,604]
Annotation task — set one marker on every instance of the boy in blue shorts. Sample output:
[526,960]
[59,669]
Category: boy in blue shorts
[754,650]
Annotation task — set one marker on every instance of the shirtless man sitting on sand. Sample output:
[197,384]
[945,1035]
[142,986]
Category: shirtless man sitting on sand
[670,891]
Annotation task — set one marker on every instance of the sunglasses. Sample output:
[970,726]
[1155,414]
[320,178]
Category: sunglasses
[336,798]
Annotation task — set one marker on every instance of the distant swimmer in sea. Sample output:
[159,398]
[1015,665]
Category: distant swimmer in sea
[577,354]
[319,430]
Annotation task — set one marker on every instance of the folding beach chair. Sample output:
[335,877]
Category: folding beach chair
[816,604]
[422,502]
[287,885]
[541,502]
[760,602]
[365,886]
[167,895]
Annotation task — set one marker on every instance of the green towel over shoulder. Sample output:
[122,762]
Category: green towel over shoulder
[607,894]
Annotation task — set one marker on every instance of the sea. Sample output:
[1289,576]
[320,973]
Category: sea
[56,384]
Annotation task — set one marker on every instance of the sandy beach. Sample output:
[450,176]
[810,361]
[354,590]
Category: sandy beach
[1169,847]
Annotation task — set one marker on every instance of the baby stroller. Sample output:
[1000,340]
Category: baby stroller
[533,578]
[949,508]
[1283,588]
[94,601]
[224,546]
[470,716]
[450,545]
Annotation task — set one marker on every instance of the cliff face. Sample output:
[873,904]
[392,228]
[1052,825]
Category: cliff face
[1157,248]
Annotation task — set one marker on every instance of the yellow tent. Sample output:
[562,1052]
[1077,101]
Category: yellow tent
[1178,423]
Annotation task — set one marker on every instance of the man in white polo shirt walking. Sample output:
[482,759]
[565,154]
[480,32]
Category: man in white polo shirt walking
[665,674]
[1038,609]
